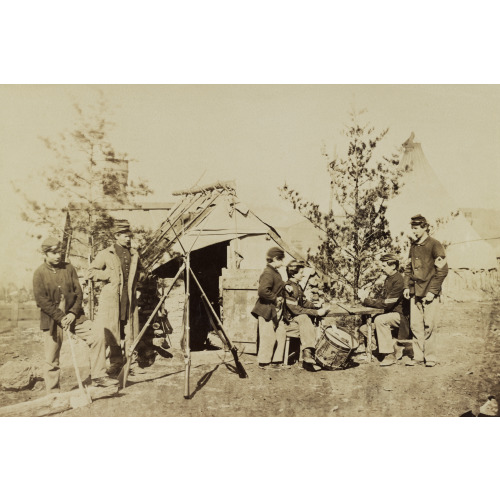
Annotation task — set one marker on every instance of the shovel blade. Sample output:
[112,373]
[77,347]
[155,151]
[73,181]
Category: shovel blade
[123,375]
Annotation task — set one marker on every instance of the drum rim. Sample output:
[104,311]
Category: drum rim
[340,339]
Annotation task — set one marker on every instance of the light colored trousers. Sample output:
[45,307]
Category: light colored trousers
[383,328]
[271,341]
[303,326]
[423,323]
[53,342]
[383,324]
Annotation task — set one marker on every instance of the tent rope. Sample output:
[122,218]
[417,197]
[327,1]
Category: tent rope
[471,241]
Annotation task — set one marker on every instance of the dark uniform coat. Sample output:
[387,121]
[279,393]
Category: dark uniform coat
[296,303]
[426,269]
[270,289]
[49,286]
[392,301]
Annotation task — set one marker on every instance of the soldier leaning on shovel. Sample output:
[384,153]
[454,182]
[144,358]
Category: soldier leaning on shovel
[59,296]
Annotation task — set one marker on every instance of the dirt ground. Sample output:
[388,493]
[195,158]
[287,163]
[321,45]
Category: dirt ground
[468,372]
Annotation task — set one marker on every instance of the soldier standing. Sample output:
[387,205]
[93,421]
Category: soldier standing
[117,317]
[423,278]
[59,296]
[268,310]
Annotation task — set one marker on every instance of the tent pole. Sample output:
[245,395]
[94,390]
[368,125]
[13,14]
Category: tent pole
[123,375]
[187,349]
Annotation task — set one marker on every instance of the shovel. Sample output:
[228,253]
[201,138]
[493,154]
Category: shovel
[84,398]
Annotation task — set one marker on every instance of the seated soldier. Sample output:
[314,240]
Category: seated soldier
[297,313]
[391,302]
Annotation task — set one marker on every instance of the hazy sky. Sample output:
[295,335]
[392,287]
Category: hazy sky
[259,135]
[264,135]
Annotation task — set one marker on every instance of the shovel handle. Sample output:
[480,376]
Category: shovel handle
[77,371]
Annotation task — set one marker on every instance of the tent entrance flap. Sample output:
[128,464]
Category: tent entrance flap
[207,264]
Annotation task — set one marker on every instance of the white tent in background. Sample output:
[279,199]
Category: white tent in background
[424,194]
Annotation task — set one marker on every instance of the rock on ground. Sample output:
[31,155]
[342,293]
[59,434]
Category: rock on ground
[18,375]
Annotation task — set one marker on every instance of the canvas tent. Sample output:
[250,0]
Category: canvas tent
[472,259]
[227,244]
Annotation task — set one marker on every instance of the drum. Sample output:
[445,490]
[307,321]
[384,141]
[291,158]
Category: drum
[334,348]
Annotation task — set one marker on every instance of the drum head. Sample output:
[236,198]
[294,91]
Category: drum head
[340,337]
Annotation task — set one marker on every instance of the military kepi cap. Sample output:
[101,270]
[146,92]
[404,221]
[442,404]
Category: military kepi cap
[296,264]
[121,226]
[416,220]
[275,252]
[389,257]
[51,244]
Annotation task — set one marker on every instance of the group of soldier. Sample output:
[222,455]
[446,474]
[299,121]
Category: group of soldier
[59,296]
[282,309]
